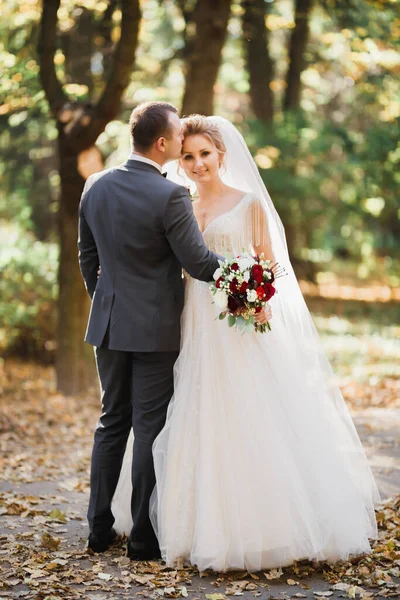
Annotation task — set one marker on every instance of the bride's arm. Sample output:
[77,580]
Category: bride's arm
[261,245]
[260,232]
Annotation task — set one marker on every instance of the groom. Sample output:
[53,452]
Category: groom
[141,229]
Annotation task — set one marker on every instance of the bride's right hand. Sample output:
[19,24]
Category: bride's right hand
[264,316]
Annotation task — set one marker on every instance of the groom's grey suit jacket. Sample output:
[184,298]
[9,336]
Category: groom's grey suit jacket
[141,229]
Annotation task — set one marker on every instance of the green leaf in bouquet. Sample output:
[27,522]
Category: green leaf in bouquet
[231,320]
[250,323]
[222,316]
[249,327]
[241,323]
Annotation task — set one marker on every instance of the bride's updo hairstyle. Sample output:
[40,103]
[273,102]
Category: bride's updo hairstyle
[202,125]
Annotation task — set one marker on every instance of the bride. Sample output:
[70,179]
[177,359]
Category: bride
[259,463]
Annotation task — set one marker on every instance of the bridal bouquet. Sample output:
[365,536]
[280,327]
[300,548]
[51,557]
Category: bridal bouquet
[241,288]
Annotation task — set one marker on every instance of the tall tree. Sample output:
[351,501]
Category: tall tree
[297,46]
[205,33]
[258,59]
[79,124]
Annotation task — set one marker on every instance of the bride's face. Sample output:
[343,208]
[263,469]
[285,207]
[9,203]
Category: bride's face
[200,158]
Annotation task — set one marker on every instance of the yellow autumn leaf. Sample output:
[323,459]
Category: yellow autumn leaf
[49,542]
[57,515]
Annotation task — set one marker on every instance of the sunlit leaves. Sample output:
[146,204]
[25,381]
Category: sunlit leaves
[28,289]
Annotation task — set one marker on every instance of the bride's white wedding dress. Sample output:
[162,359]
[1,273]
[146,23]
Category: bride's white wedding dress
[259,464]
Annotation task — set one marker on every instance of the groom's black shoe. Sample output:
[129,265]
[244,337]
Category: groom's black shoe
[138,551]
[100,543]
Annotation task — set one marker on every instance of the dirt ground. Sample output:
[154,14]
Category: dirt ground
[45,444]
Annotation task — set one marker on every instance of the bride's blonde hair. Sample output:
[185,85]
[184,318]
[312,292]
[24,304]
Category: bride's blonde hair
[201,125]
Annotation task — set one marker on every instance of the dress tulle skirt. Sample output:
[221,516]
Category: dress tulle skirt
[258,465]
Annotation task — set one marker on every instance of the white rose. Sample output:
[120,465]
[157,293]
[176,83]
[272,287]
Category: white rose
[251,295]
[246,276]
[217,274]
[245,263]
[221,299]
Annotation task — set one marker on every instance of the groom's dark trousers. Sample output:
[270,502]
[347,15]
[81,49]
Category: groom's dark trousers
[140,228]
[136,390]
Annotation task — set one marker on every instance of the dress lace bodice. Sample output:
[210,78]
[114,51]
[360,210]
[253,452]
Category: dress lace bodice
[236,230]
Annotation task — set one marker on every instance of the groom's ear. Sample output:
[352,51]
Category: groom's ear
[160,144]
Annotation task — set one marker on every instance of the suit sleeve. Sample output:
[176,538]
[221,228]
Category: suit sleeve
[185,239]
[88,255]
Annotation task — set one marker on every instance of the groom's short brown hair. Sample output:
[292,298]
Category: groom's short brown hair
[148,122]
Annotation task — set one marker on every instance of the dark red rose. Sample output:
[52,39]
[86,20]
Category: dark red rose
[218,282]
[244,287]
[260,292]
[257,273]
[259,309]
[269,291]
[233,304]
[235,267]
[233,286]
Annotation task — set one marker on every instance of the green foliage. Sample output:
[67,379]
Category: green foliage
[334,187]
[332,169]
[28,292]
[27,134]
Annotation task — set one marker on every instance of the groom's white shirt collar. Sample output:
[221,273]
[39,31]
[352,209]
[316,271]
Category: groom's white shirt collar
[134,156]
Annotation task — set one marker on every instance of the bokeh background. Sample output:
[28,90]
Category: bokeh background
[314,87]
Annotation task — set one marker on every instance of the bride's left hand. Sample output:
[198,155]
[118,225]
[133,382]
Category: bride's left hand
[264,316]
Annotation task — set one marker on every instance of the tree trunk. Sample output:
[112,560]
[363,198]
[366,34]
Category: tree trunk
[44,220]
[75,370]
[78,47]
[297,62]
[79,125]
[258,59]
[206,35]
